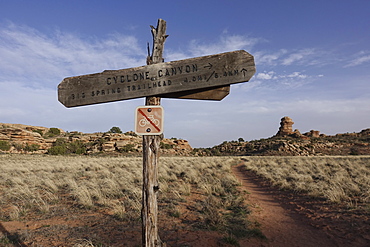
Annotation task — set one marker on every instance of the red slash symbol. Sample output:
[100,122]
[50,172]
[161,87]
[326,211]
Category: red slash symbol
[149,120]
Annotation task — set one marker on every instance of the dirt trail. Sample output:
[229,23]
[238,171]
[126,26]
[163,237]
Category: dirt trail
[281,226]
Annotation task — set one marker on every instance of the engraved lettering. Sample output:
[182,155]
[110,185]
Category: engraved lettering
[173,71]
[187,69]
[180,69]
[195,67]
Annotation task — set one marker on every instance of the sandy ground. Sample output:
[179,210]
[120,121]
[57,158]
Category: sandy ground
[287,219]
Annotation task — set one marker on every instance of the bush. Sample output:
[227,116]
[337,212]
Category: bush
[128,148]
[131,133]
[115,130]
[166,145]
[76,147]
[4,145]
[53,132]
[57,150]
[39,131]
[61,147]
[31,147]
[60,142]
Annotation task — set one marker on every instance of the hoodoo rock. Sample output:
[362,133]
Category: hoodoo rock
[286,127]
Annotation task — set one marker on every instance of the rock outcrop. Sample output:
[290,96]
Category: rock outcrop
[286,127]
[288,143]
[32,139]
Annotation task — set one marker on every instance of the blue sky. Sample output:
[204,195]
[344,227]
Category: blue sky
[312,60]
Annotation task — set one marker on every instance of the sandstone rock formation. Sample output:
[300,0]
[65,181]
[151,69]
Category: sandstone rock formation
[313,133]
[286,127]
[32,139]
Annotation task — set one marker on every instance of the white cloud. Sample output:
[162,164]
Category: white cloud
[298,56]
[360,58]
[226,43]
[297,75]
[27,53]
[265,58]
[265,75]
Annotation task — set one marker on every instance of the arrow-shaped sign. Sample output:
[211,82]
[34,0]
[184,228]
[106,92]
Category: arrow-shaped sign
[157,79]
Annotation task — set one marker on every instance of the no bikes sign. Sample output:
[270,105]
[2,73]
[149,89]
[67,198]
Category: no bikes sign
[149,120]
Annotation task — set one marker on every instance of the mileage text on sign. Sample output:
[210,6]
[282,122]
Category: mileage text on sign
[157,79]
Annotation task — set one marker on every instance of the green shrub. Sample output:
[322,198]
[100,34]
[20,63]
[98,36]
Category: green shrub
[4,145]
[166,145]
[31,147]
[115,130]
[53,132]
[61,147]
[131,133]
[60,142]
[128,148]
[57,150]
[39,131]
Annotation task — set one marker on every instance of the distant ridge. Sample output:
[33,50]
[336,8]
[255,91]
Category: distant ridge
[21,138]
[289,142]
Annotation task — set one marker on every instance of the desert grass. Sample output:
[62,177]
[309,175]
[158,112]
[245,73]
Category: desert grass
[35,185]
[339,179]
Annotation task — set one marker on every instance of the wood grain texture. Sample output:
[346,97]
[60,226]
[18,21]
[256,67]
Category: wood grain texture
[158,79]
[151,148]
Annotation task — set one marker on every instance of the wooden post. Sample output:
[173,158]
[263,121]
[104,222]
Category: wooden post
[151,146]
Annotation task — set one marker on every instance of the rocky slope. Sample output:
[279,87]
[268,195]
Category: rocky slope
[18,138]
[287,142]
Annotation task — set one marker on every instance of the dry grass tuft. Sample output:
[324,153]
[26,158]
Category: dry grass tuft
[337,178]
[45,185]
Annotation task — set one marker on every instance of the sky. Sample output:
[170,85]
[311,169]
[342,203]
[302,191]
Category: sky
[312,63]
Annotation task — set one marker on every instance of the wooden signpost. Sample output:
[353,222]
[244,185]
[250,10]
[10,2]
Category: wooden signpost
[177,79]
[203,78]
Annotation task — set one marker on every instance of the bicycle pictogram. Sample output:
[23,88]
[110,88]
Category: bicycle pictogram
[145,121]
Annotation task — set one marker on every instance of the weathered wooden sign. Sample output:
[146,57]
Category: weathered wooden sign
[174,79]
